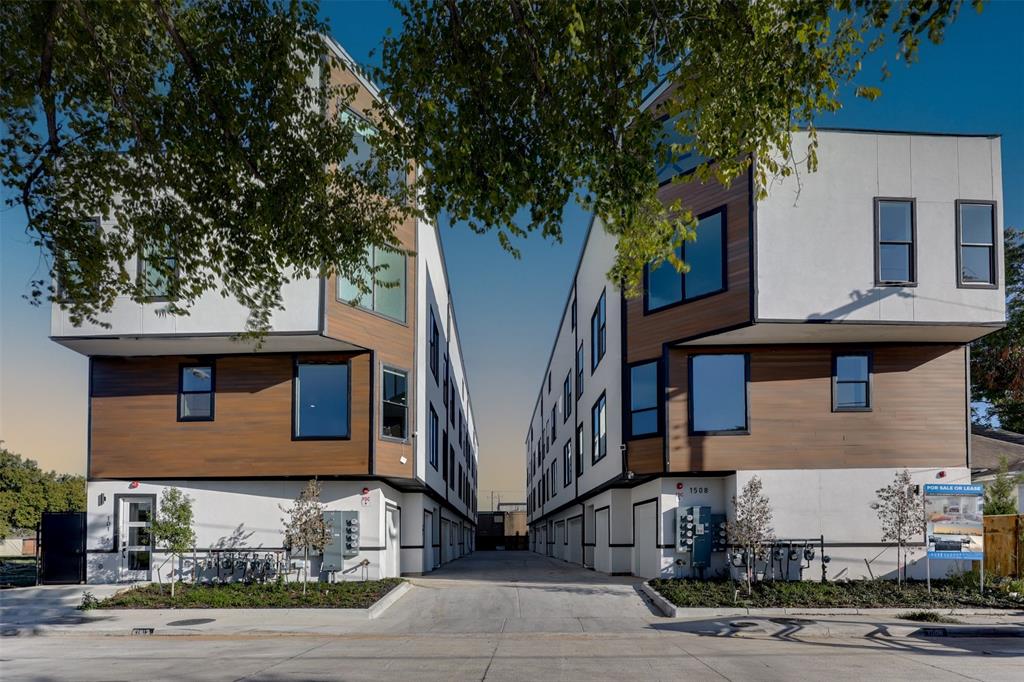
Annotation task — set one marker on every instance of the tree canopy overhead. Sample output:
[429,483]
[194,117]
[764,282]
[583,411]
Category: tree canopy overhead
[194,130]
[521,104]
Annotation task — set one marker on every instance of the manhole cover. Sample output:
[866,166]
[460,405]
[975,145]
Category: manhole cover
[191,621]
[792,621]
[743,624]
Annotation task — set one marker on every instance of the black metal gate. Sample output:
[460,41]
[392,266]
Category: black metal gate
[62,548]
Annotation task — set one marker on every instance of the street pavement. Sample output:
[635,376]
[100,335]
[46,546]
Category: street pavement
[494,616]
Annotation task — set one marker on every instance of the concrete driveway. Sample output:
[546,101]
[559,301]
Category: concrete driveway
[519,592]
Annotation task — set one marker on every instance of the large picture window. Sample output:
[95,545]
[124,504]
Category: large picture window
[643,399]
[387,293]
[976,243]
[598,329]
[665,286]
[394,404]
[599,429]
[851,382]
[895,231]
[195,393]
[321,400]
[718,394]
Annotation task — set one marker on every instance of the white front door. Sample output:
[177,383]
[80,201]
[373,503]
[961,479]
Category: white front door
[135,537]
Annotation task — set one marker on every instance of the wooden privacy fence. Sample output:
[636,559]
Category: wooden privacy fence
[1004,547]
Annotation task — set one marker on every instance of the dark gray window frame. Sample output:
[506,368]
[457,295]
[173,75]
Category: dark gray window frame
[993,259]
[567,397]
[723,209]
[879,282]
[659,406]
[745,431]
[434,343]
[596,456]
[580,439]
[870,383]
[213,389]
[432,447]
[599,335]
[295,396]
[406,373]
[581,363]
[567,463]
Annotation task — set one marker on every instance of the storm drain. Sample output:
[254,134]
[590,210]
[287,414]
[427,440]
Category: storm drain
[143,631]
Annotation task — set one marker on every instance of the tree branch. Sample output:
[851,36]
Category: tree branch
[46,77]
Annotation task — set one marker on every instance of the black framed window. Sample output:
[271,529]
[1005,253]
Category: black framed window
[895,235]
[644,399]
[432,439]
[196,393]
[451,464]
[599,429]
[706,257]
[851,382]
[386,285]
[394,403]
[574,313]
[580,361]
[156,273]
[718,394]
[549,381]
[579,450]
[444,456]
[976,243]
[451,404]
[321,396]
[567,464]
[567,397]
[598,328]
[554,477]
[435,343]
[554,423]
[447,379]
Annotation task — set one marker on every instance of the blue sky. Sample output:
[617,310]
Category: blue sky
[508,309]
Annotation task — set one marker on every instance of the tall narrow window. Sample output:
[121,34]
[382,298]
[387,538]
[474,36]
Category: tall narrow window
[386,284]
[554,423]
[599,430]
[567,464]
[976,247]
[851,382]
[394,404]
[665,286]
[432,444]
[643,399]
[451,464]
[435,343]
[567,397]
[718,394]
[451,403]
[321,400]
[895,230]
[597,333]
[195,393]
[156,272]
[580,366]
[444,456]
[574,313]
[554,477]
[579,449]
[447,378]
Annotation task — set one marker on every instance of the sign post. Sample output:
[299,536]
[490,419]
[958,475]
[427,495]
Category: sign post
[954,524]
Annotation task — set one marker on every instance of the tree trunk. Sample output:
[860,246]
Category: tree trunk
[172,575]
[305,570]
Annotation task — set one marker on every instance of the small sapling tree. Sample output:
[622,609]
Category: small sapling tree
[901,512]
[172,527]
[305,525]
[1000,493]
[752,529]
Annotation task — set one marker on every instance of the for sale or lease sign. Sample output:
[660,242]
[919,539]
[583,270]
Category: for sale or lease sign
[954,520]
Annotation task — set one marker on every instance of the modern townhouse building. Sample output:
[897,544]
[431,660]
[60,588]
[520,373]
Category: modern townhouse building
[370,398]
[820,342]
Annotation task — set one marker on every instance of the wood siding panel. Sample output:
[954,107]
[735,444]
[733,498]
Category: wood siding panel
[646,456]
[647,333]
[135,432]
[918,416]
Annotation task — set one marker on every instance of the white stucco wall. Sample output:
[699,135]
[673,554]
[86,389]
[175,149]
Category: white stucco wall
[823,223]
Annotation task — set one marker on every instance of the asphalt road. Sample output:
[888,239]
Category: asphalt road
[499,616]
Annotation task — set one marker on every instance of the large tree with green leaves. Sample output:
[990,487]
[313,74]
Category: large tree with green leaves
[26,491]
[997,360]
[524,104]
[197,132]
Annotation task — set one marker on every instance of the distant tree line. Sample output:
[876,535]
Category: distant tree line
[26,491]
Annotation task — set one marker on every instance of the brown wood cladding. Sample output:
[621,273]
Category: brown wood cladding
[646,456]
[918,416]
[393,342]
[135,432]
[647,333]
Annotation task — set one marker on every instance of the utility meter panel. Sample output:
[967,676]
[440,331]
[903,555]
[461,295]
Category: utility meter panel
[694,534]
[350,522]
[333,550]
[719,533]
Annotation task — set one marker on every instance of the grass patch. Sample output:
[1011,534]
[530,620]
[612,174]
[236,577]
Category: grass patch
[343,595]
[17,572]
[928,617]
[854,594]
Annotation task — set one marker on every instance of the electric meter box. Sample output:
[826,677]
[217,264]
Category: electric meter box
[694,534]
[719,533]
[344,542]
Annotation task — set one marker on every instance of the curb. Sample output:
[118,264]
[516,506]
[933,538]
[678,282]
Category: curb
[385,602]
